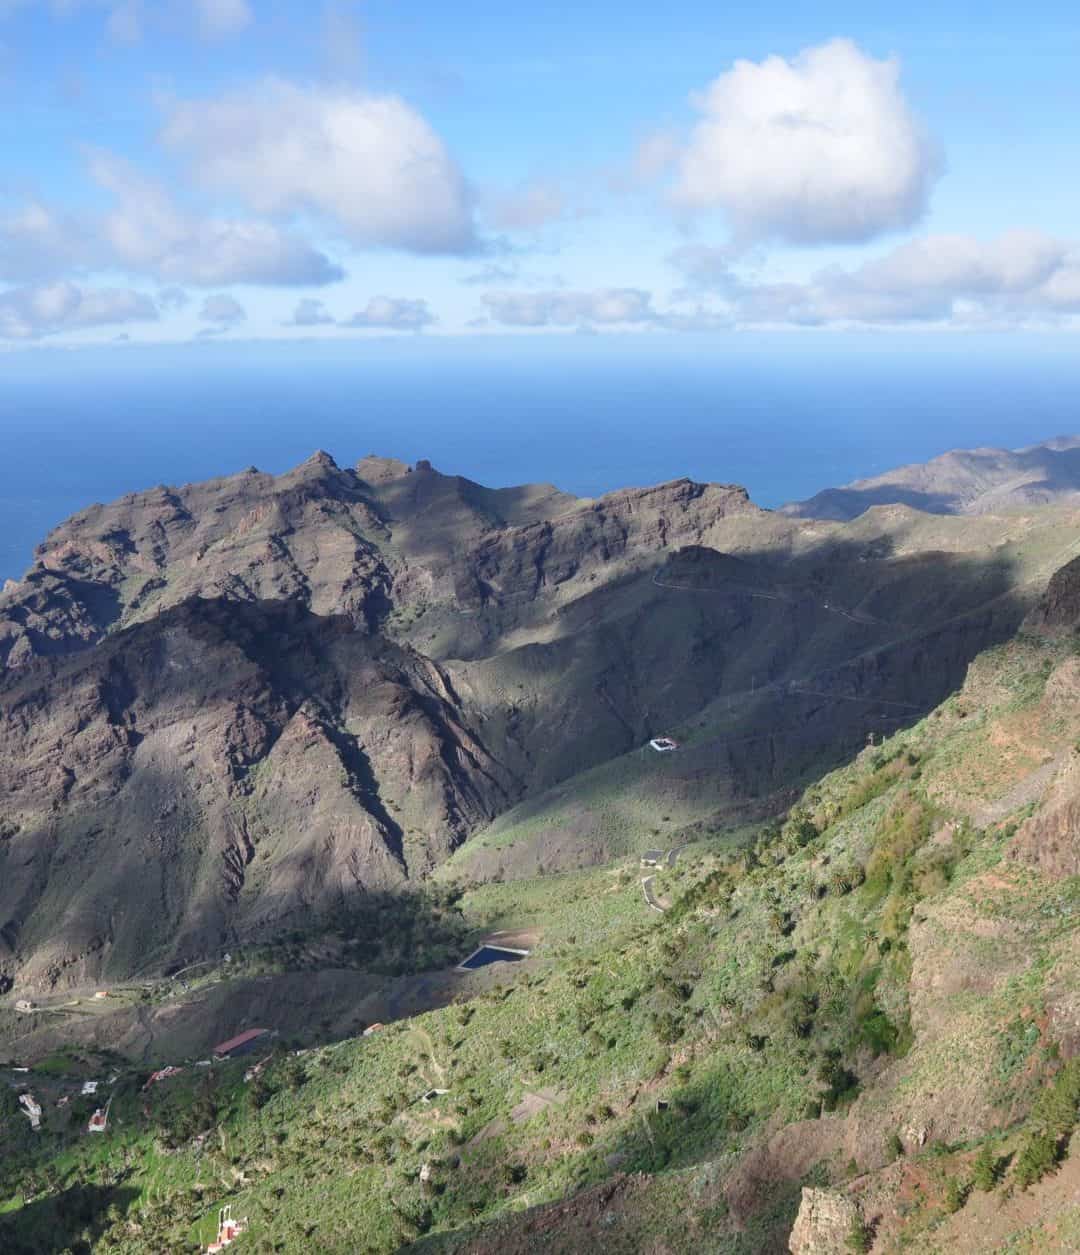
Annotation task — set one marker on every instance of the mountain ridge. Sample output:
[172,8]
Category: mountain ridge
[961,481]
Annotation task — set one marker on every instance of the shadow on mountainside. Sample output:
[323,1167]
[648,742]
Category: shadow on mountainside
[68,1221]
[769,668]
[768,672]
[841,505]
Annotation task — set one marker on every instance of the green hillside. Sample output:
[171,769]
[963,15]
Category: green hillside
[875,997]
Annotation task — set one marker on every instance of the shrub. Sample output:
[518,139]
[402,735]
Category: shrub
[879,1033]
[859,1236]
[1038,1157]
[984,1170]
[1052,1120]
[667,1027]
[954,1197]
[841,1083]
[800,829]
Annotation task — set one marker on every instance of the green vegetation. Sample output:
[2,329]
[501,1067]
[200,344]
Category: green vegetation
[1053,1118]
[777,988]
[859,1238]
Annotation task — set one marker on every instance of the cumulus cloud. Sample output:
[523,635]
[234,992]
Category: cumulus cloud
[369,164]
[173,298]
[561,309]
[705,267]
[147,231]
[38,243]
[956,279]
[310,313]
[393,312]
[821,148]
[222,310]
[28,313]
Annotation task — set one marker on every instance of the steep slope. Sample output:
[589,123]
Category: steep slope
[861,1025]
[334,678]
[221,772]
[962,481]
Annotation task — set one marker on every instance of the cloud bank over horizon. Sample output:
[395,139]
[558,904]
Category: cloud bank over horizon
[303,179]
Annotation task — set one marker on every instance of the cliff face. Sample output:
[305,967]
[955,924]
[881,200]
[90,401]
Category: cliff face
[213,715]
[229,705]
[220,772]
[1058,610]
[363,543]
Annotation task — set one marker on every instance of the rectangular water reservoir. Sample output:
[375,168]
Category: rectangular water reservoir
[487,955]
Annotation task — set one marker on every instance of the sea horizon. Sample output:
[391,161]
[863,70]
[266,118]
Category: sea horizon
[783,416]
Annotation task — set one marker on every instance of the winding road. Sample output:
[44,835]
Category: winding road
[671,858]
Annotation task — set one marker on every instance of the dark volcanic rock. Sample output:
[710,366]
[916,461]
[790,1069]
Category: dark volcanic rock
[1059,607]
[217,772]
[231,707]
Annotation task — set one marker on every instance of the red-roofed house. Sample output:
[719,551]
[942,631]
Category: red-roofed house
[239,1045]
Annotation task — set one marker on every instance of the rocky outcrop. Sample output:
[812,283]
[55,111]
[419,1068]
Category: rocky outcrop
[234,704]
[366,542]
[1050,839]
[219,772]
[1058,609]
[824,1223]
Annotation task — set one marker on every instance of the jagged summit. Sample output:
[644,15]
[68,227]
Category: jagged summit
[379,470]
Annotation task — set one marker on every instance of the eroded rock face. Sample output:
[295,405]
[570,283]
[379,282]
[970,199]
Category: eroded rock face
[357,542]
[224,770]
[1059,608]
[1050,839]
[823,1224]
[229,705]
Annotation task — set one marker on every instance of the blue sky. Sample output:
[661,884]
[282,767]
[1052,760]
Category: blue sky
[233,169]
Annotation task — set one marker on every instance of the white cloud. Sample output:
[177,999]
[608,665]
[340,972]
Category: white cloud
[543,309]
[1017,261]
[173,297]
[370,164]
[30,312]
[225,311]
[705,267]
[149,233]
[655,155]
[491,272]
[310,313]
[38,243]
[219,18]
[1019,277]
[395,312]
[820,148]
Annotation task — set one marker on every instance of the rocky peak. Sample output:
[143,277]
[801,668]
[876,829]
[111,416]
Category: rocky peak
[377,470]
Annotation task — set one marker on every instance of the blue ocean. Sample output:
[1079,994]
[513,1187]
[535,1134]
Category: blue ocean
[785,415]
